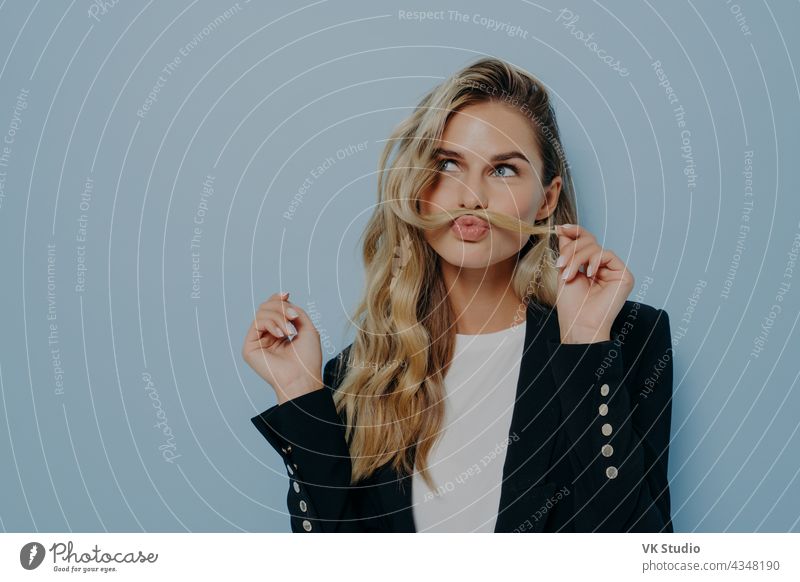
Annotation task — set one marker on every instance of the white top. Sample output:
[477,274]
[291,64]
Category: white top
[466,462]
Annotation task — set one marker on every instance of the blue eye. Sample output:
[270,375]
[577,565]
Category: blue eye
[505,174]
[444,163]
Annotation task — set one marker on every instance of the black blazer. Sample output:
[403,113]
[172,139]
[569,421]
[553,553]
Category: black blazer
[587,448]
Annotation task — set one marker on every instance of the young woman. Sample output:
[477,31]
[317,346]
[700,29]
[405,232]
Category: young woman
[499,380]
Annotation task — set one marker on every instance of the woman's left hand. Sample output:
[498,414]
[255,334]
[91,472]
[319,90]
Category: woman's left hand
[589,301]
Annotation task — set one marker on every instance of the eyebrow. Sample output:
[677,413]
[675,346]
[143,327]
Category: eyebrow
[441,152]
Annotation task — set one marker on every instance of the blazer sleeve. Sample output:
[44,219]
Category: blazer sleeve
[309,434]
[618,427]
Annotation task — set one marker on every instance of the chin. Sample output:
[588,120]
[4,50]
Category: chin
[477,258]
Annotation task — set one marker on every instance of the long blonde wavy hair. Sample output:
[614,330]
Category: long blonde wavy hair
[394,412]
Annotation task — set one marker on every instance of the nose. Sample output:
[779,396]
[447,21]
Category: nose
[471,193]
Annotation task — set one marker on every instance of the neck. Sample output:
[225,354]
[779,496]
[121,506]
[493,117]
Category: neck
[483,300]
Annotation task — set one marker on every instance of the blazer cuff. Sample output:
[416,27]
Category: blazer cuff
[579,367]
[308,432]
[595,404]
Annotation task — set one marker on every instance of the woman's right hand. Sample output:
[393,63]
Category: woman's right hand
[292,367]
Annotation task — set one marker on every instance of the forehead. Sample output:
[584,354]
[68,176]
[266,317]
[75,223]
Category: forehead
[483,129]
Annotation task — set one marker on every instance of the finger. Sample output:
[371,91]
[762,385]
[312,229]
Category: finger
[253,342]
[594,264]
[596,261]
[581,257]
[257,337]
[285,308]
[280,317]
[265,342]
[279,295]
[570,249]
[253,333]
[573,235]
[572,231]
[303,320]
[590,257]
[272,324]
[610,264]
[276,297]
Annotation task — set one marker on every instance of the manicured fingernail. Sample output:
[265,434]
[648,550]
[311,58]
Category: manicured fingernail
[589,271]
[292,312]
[292,329]
[566,274]
[279,332]
[284,293]
[561,260]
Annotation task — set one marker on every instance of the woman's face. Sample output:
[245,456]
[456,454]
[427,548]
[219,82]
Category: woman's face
[488,159]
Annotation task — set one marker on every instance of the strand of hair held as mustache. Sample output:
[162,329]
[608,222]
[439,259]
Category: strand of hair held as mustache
[496,219]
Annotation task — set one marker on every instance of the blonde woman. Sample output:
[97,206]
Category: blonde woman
[499,380]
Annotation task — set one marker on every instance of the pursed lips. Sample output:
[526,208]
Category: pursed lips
[469,221]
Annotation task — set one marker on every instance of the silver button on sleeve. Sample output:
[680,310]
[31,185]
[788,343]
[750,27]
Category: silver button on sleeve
[296,486]
[603,409]
[607,450]
[611,472]
[604,390]
[306,525]
[606,429]
[303,505]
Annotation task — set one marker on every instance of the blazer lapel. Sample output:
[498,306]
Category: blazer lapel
[530,441]
[532,435]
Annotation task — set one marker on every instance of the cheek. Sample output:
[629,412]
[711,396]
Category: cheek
[425,198]
[527,204]
[424,205]
[519,203]
[431,201]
